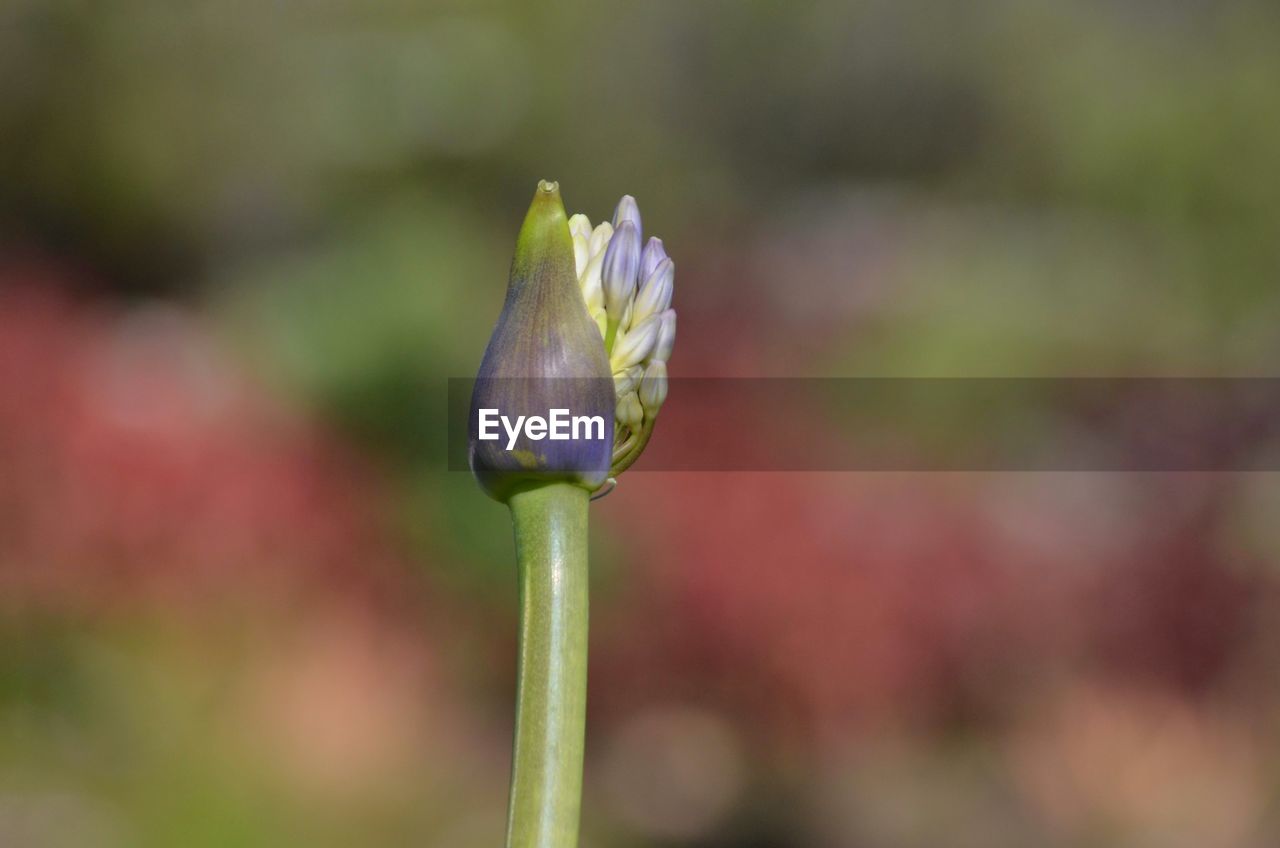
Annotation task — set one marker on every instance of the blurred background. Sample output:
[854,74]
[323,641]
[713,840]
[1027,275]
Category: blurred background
[242,246]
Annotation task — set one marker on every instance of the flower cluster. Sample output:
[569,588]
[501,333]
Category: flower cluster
[627,289]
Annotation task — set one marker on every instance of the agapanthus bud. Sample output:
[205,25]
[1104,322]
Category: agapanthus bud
[628,380]
[653,387]
[637,344]
[589,281]
[621,268]
[627,210]
[546,353]
[580,225]
[600,237]
[630,411]
[653,253]
[581,254]
[666,336]
[654,295]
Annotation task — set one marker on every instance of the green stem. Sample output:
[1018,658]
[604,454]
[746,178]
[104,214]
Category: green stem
[610,335]
[633,451]
[621,449]
[551,697]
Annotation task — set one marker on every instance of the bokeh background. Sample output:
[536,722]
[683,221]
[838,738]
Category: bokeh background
[242,246]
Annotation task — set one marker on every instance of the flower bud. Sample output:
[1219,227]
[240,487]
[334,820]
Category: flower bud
[625,323]
[592,292]
[580,225]
[581,254]
[653,387]
[545,353]
[630,411]
[600,237]
[628,380]
[654,252]
[666,336]
[627,210]
[621,267]
[636,346]
[655,292]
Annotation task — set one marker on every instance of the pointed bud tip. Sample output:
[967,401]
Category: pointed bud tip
[651,256]
[544,235]
[627,210]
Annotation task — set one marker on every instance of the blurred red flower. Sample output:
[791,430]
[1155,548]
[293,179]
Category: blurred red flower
[139,462]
